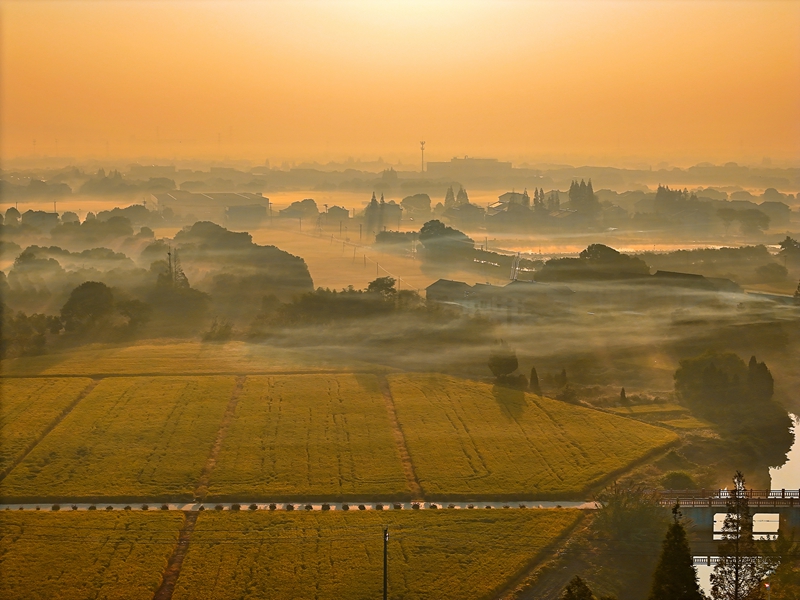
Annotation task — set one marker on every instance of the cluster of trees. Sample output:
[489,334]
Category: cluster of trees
[751,220]
[583,200]
[380,298]
[597,262]
[737,398]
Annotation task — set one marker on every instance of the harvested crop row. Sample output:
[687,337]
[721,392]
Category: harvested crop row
[129,438]
[432,554]
[309,436]
[57,556]
[28,407]
[471,439]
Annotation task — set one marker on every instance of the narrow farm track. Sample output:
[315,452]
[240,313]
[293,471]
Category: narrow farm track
[173,570]
[68,409]
[400,440]
[202,486]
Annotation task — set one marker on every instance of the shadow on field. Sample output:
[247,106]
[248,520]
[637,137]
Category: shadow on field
[511,400]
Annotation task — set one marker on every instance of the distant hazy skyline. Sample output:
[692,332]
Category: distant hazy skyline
[608,82]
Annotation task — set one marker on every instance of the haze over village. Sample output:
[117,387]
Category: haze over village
[432,299]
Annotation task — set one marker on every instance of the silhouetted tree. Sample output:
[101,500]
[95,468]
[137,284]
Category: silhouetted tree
[502,360]
[675,577]
[577,590]
[534,383]
[383,286]
[623,397]
[88,304]
[740,571]
[449,198]
[461,197]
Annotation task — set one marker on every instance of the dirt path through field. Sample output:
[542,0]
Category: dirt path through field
[173,570]
[49,428]
[201,490]
[400,441]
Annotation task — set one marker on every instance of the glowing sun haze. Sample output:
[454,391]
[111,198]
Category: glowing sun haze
[608,81]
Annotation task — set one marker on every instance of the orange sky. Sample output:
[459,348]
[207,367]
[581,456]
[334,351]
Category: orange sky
[597,81]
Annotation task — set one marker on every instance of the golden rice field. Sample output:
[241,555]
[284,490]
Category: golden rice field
[129,437]
[471,439]
[442,554]
[28,407]
[649,409]
[309,436]
[167,357]
[64,556]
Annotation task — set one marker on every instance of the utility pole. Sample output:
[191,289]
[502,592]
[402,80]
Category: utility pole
[422,163]
[385,563]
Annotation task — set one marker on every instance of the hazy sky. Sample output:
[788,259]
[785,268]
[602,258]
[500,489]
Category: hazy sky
[573,81]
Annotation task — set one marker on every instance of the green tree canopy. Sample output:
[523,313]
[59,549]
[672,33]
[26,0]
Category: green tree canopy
[675,577]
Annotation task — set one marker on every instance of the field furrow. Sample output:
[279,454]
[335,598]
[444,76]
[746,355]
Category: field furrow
[469,439]
[63,556]
[432,554]
[129,438]
[28,408]
[309,436]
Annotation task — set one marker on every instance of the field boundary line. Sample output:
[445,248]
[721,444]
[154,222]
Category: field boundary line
[194,374]
[53,424]
[400,439]
[520,583]
[201,491]
[173,570]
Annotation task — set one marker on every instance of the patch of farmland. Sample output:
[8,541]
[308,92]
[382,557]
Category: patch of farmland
[470,439]
[170,357]
[135,437]
[442,554]
[63,556]
[28,407]
[309,436]
[687,422]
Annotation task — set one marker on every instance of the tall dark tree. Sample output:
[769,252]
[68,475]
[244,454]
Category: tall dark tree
[675,577]
[741,569]
[87,306]
[577,590]
[449,198]
[461,197]
[534,383]
[502,360]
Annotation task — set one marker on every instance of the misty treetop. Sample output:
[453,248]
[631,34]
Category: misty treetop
[738,398]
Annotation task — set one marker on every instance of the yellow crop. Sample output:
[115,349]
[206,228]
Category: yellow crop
[141,437]
[471,439]
[64,556]
[28,407]
[442,554]
[309,436]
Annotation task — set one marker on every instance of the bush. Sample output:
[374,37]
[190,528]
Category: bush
[164,507]
[309,507]
[522,506]
[55,507]
[273,506]
[678,480]
[326,507]
[415,505]
[127,508]
[109,507]
[253,507]
[289,507]
[506,506]
[488,507]
[379,507]
[362,507]
[432,505]
[74,507]
[219,507]
[145,507]
[398,506]
[470,506]
[451,506]
[345,507]
[236,506]
[201,507]
[92,507]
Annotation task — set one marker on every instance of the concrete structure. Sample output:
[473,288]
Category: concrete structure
[469,168]
[212,205]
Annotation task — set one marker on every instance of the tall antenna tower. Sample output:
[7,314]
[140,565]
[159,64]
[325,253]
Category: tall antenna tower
[422,162]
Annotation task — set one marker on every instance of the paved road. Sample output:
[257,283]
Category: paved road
[156,506]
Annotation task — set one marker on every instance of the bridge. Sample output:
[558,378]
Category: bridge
[772,510]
